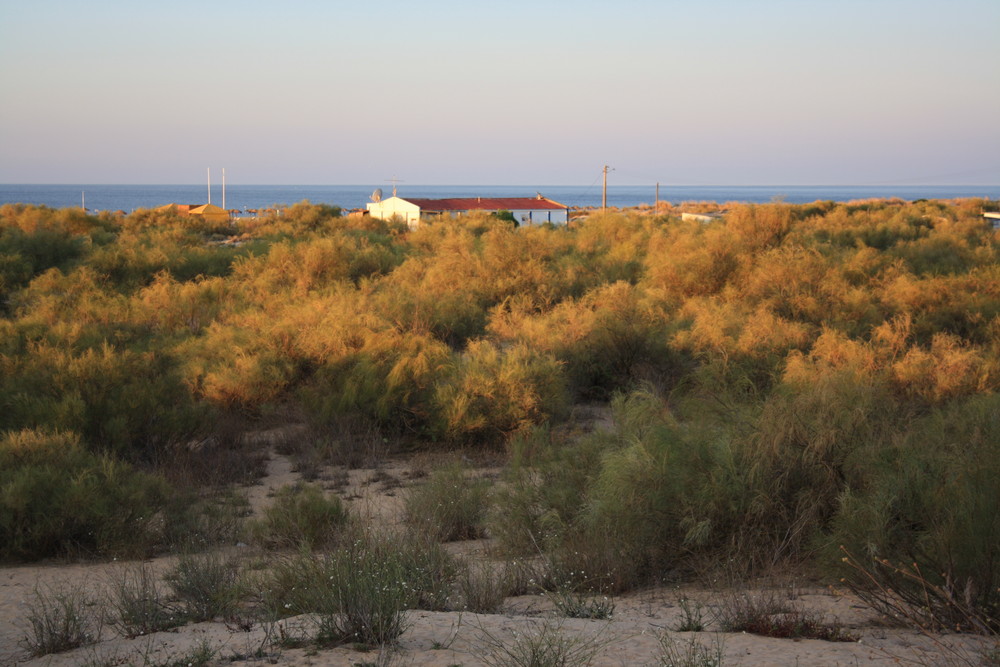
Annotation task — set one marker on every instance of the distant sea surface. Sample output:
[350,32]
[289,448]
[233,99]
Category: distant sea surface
[130,197]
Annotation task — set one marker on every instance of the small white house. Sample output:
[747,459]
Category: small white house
[701,217]
[993,219]
[526,210]
[395,208]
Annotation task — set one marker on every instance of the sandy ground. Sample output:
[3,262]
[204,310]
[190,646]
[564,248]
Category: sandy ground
[633,635]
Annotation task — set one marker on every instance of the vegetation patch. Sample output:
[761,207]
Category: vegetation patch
[301,517]
[59,620]
[784,380]
[450,504]
[764,614]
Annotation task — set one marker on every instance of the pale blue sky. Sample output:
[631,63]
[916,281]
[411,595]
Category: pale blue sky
[542,92]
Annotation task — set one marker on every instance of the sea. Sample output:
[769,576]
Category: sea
[244,197]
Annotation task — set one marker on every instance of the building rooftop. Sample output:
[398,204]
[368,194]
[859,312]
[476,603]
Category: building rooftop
[486,204]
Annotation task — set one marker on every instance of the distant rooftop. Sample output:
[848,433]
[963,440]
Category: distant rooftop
[486,204]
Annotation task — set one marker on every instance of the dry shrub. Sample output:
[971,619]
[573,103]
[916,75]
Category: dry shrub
[764,614]
[223,456]
[691,260]
[207,585]
[540,644]
[347,440]
[60,620]
[902,592]
[692,653]
[738,344]
[484,587]
[759,225]
[301,517]
[137,603]
[792,281]
[832,352]
[493,393]
[947,370]
[173,307]
[449,505]
[235,369]
[608,339]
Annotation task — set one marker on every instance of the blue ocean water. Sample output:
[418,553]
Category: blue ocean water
[130,197]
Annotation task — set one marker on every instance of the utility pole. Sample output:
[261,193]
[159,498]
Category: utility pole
[209,170]
[656,208]
[223,187]
[604,191]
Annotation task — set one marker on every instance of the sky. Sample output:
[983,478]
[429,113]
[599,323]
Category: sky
[521,92]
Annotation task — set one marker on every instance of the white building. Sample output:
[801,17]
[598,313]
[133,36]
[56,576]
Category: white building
[701,217]
[526,210]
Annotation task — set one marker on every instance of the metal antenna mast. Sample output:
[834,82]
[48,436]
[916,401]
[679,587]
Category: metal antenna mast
[394,180]
[209,170]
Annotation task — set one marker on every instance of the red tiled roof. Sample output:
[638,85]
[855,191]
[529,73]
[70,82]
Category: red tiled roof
[486,204]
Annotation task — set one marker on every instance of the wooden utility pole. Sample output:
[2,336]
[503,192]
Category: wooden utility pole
[656,208]
[604,191]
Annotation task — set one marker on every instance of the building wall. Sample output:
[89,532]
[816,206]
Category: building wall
[541,216]
[523,216]
[700,217]
[394,207]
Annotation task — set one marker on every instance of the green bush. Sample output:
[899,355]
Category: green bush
[662,495]
[422,576]
[927,518]
[207,585]
[543,493]
[130,403]
[138,605]
[366,596]
[57,498]
[301,517]
[484,587]
[450,505]
[60,620]
[428,569]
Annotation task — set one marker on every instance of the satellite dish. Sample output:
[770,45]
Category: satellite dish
[377,195]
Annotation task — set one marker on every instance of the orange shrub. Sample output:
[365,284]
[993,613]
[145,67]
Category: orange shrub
[947,370]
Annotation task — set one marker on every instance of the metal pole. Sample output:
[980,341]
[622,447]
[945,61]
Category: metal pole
[209,170]
[656,209]
[604,190]
[223,187]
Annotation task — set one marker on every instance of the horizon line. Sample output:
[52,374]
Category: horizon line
[542,185]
